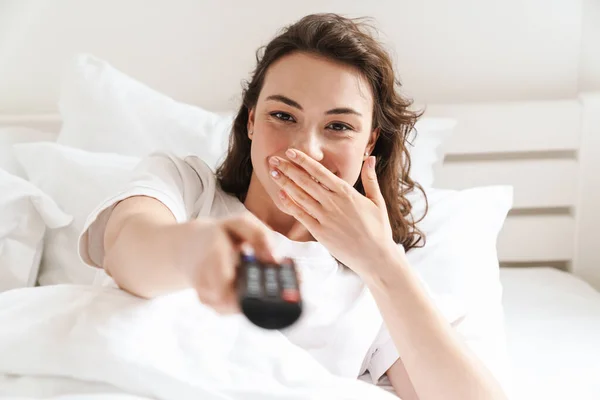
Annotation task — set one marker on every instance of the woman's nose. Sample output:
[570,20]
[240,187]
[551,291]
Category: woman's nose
[310,144]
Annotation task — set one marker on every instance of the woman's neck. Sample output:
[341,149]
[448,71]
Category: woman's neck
[259,203]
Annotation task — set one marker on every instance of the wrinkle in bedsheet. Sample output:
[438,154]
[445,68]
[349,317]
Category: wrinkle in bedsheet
[171,347]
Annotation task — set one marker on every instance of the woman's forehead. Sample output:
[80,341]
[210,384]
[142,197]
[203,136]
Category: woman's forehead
[316,82]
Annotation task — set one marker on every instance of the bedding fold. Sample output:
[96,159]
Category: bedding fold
[171,347]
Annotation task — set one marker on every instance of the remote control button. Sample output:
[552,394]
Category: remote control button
[290,295]
[271,282]
[254,281]
[249,258]
[288,279]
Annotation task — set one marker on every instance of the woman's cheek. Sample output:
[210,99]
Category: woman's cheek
[349,164]
[275,140]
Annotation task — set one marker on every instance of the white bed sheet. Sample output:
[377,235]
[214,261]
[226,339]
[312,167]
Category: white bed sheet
[553,330]
[86,341]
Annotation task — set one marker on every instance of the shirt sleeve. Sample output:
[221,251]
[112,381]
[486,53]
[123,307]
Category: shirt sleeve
[383,355]
[167,178]
[482,330]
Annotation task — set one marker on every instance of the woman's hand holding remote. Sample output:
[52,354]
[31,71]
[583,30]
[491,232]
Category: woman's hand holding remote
[209,256]
[155,255]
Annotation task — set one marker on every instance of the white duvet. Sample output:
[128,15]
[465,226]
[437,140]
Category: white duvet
[71,341]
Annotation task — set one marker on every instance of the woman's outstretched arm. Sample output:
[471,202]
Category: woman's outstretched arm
[435,363]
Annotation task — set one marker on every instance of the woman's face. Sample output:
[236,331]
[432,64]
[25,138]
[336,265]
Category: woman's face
[315,105]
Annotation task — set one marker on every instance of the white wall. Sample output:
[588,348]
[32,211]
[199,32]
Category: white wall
[589,78]
[199,51]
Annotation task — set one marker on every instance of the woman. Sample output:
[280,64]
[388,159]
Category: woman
[318,166]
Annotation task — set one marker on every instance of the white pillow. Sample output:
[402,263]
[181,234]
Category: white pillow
[460,262]
[15,134]
[25,211]
[78,181]
[105,110]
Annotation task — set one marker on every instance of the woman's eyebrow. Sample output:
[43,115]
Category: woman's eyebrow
[285,100]
[343,110]
[295,104]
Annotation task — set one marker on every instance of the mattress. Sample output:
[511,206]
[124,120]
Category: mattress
[553,332]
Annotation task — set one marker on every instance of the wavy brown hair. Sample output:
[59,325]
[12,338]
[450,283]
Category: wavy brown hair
[347,41]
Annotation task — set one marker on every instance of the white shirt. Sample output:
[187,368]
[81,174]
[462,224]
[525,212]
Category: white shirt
[340,326]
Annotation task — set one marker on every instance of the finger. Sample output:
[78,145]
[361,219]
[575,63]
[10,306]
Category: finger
[226,271]
[247,228]
[229,303]
[298,212]
[301,177]
[314,169]
[216,285]
[370,183]
[213,279]
[297,194]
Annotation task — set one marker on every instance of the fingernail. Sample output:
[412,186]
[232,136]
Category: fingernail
[371,162]
[273,161]
[290,153]
[247,249]
[274,174]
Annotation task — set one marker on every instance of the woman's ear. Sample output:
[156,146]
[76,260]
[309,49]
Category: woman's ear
[250,126]
[372,140]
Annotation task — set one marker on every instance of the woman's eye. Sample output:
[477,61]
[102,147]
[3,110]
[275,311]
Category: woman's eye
[283,116]
[339,127]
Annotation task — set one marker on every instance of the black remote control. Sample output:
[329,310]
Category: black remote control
[269,294]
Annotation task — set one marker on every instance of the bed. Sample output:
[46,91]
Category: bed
[513,128]
[552,328]
[552,310]
[549,263]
